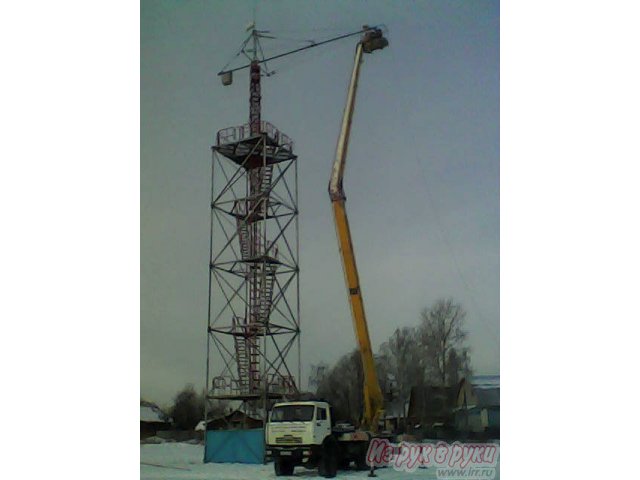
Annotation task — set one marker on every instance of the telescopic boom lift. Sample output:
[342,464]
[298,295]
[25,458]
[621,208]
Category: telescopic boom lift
[373,400]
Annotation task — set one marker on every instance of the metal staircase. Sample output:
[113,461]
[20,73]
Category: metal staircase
[242,354]
[261,278]
[267,174]
[263,309]
[244,218]
[243,237]
[247,334]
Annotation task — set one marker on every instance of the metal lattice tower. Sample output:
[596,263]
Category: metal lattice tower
[253,347]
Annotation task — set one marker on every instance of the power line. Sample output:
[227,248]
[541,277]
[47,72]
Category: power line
[445,239]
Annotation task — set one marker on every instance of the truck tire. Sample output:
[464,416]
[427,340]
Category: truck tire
[283,467]
[328,466]
[360,456]
[361,461]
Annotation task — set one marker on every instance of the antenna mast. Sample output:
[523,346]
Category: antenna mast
[254,87]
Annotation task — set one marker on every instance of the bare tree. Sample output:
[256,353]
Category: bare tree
[187,408]
[434,351]
[458,365]
[342,388]
[443,337]
[318,373]
[402,354]
[215,408]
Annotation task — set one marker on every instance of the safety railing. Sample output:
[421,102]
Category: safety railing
[278,384]
[242,132]
[282,384]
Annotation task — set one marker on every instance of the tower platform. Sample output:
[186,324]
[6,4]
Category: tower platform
[249,150]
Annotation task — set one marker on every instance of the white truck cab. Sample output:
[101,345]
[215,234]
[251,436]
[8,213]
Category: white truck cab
[301,433]
[298,423]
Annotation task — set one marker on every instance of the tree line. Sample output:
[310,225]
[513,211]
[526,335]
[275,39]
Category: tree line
[187,408]
[433,353]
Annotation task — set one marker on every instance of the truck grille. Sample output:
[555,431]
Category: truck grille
[289,439]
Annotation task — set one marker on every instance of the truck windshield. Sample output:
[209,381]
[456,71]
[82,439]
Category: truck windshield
[292,413]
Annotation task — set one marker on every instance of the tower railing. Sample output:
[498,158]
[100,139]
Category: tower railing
[226,385]
[242,132]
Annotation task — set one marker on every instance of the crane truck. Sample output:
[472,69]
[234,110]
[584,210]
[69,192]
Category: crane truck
[305,433]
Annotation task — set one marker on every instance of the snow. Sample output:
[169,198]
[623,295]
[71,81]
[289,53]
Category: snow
[181,461]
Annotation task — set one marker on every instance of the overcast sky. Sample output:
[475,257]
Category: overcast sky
[422,177]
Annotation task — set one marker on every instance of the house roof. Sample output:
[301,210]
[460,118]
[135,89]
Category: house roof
[479,391]
[485,381]
[152,413]
[234,414]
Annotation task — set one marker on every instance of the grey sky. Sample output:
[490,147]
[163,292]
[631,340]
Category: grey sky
[422,177]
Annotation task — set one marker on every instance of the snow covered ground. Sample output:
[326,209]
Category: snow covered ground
[181,461]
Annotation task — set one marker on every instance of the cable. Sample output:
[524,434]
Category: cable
[340,37]
[447,242]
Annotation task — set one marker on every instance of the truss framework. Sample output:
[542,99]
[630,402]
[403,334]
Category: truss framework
[253,342]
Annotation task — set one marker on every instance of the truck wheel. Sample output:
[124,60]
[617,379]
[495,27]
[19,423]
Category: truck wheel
[328,466]
[361,461]
[283,467]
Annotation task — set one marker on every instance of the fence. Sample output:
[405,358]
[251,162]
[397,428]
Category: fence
[234,446]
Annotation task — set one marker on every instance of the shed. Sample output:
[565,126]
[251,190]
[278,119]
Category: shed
[478,405]
[152,420]
[236,420]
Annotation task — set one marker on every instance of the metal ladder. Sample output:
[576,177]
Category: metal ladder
[242,354]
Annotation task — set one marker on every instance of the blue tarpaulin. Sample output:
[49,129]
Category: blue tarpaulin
[234,446]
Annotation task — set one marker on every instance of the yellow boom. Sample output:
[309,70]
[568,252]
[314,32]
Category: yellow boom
[373,400]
